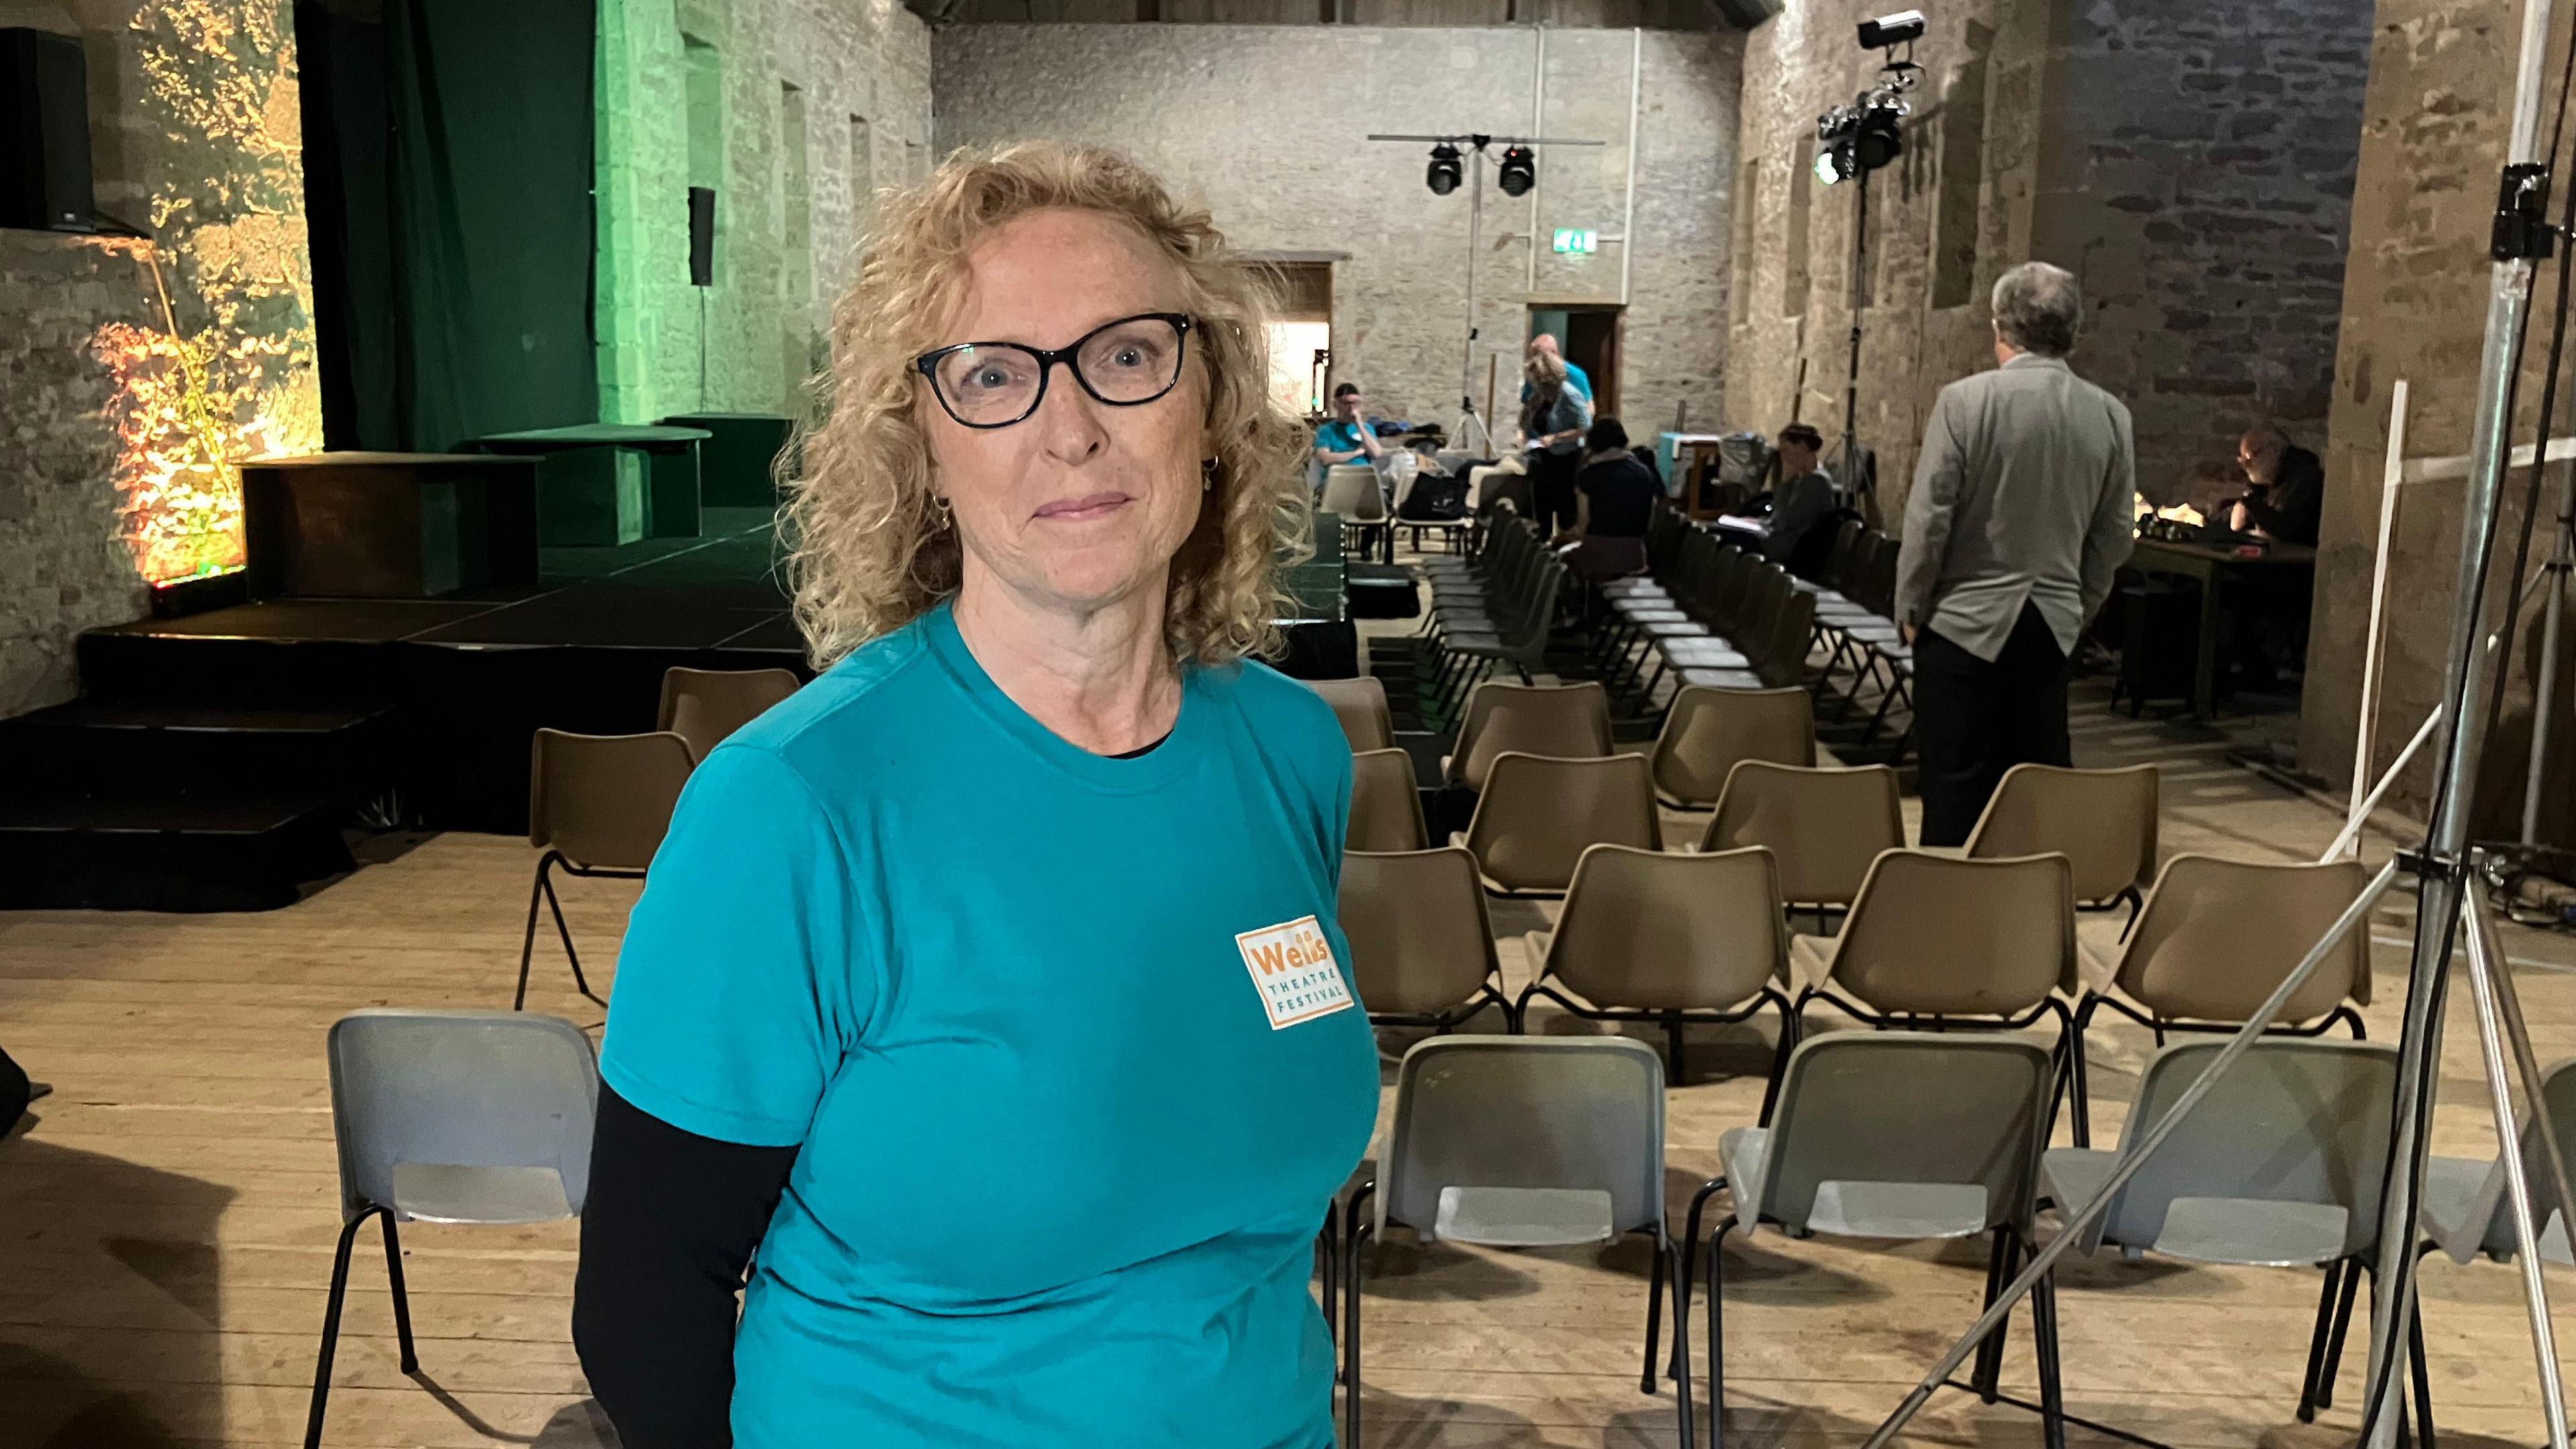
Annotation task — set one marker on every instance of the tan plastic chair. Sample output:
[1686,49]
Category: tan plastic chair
[597,806]
[703,706]
[1360,704]
[1823,827]
[2213,940]
[1422,950]
[1937,936]
[1565,721]
[1386,809]
[1538,815]
[1707,732]
[2102,821]
[1671,939]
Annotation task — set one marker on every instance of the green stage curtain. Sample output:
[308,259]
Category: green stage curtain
[447,155]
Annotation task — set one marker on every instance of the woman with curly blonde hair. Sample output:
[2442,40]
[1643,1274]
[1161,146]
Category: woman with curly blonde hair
[990,987]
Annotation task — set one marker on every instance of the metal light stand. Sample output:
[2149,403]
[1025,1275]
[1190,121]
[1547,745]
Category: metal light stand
[2443,867]
[2554,577]
[1850,477]
[1472,147]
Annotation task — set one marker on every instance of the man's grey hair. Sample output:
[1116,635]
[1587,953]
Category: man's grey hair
[2038,308]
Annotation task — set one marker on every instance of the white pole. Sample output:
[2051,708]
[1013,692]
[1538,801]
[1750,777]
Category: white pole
[2349,841]
[1628,208]
[2365,736]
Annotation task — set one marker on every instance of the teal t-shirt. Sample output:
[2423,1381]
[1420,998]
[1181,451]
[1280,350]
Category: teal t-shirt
[1340,436]
[1064,1040]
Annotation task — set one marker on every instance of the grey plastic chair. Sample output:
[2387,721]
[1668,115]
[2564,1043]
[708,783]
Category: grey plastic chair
[1522,1142]
[450,1117]
[1670,939]
[1360,704]
[1422,947]
[1386,807]
[1893,1136]
[702,706]
[598,805]
[2279,1166]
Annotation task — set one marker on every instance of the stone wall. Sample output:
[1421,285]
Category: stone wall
[2414,308]
[2191,162]
[2198,174]
[1268,125]
[853,78]
[195,137]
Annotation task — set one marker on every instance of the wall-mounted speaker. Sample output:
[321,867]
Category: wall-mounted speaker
[702,236]
[44,133]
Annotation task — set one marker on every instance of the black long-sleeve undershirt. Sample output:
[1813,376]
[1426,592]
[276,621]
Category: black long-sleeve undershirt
[668,1228]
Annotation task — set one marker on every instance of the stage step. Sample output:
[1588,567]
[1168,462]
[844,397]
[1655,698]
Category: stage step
[69,748]
[129,847]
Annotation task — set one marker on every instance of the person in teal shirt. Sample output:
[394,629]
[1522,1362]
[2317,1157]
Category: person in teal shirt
[1576,379]
[1008,945]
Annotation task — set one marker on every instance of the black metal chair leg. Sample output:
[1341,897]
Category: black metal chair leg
[1654,1315]
[2079,1085]
[555,904]
[2043,1329]
[2002,1254]
[1789,1033]
[1351,1336]
[2423,1375]
[1681,1355]
[1678,1073]
[402,1298]
[1717,1334]
[528,942]
[331,1329]
[2333,1365]
[2317,1341]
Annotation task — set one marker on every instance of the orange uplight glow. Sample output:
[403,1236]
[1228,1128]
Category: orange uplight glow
[227,374]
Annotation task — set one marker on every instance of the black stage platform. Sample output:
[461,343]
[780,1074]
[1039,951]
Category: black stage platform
[263,726]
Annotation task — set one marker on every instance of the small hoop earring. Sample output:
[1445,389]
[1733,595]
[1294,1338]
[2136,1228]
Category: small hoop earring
[947,511]
[1207,475]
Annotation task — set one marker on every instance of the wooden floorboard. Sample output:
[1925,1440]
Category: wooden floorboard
[166,1226]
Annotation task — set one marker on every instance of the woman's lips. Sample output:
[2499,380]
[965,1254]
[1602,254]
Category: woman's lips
[1088,506]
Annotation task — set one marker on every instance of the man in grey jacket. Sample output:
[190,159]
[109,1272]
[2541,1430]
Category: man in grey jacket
[2021,512]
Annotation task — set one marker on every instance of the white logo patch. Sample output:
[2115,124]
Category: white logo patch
[1293,968]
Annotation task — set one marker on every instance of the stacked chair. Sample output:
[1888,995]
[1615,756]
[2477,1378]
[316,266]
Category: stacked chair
[1494,610]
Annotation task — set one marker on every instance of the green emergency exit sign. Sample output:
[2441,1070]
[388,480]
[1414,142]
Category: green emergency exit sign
[1577,241]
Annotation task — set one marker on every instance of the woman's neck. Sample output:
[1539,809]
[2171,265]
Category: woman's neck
[1101,679]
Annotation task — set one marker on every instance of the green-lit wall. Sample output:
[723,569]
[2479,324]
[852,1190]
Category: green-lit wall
[852,77]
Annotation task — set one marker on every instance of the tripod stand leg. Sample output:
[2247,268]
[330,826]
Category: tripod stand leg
[2486,976]
[2544,699]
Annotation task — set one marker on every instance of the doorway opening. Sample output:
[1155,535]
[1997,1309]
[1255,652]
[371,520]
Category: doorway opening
[1588,334]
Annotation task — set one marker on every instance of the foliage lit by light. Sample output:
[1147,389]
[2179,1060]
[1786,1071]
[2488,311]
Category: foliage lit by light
[228,374]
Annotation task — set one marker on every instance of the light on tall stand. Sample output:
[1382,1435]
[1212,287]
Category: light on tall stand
[1851,142]
[1515,172]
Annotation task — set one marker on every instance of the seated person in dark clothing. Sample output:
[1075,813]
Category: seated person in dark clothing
[2285,487]
[1614,495]
[1805,495]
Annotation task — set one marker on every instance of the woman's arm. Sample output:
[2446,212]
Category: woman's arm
[668,1228]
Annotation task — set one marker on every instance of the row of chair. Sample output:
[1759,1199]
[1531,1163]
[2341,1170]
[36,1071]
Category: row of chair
[1725,619]
[1856,631]
[1494,609]
[598,805]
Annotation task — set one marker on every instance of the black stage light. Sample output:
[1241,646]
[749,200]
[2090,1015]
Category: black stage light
[1518,172]
[1444,173]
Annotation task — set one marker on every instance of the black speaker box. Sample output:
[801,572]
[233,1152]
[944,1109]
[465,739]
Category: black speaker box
[702,237]
[44,132]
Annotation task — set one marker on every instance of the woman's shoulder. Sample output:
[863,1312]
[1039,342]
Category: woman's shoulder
[1283,712]
[851,695]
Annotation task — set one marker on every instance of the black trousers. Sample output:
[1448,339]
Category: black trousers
[1975,719]
[1552,488]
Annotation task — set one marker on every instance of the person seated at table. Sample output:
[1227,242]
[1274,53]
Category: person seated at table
[1575,377]
[1805,497]
[1351,435]
[2285,487]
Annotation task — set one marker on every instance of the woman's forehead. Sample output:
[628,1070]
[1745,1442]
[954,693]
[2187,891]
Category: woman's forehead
[1049,276]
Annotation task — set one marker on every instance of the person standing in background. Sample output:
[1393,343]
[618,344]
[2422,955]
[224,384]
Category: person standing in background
[2019,516]
[1575,376]
[1553,420]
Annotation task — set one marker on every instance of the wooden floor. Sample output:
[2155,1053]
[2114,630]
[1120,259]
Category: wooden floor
[166,1225]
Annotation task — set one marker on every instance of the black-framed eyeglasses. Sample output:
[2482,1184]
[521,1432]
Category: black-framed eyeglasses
[1123,363]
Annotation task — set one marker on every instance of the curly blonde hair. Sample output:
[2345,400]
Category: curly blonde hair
[871,551]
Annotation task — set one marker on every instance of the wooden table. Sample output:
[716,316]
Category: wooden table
[2218,570]
[388,525]
[587,496]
